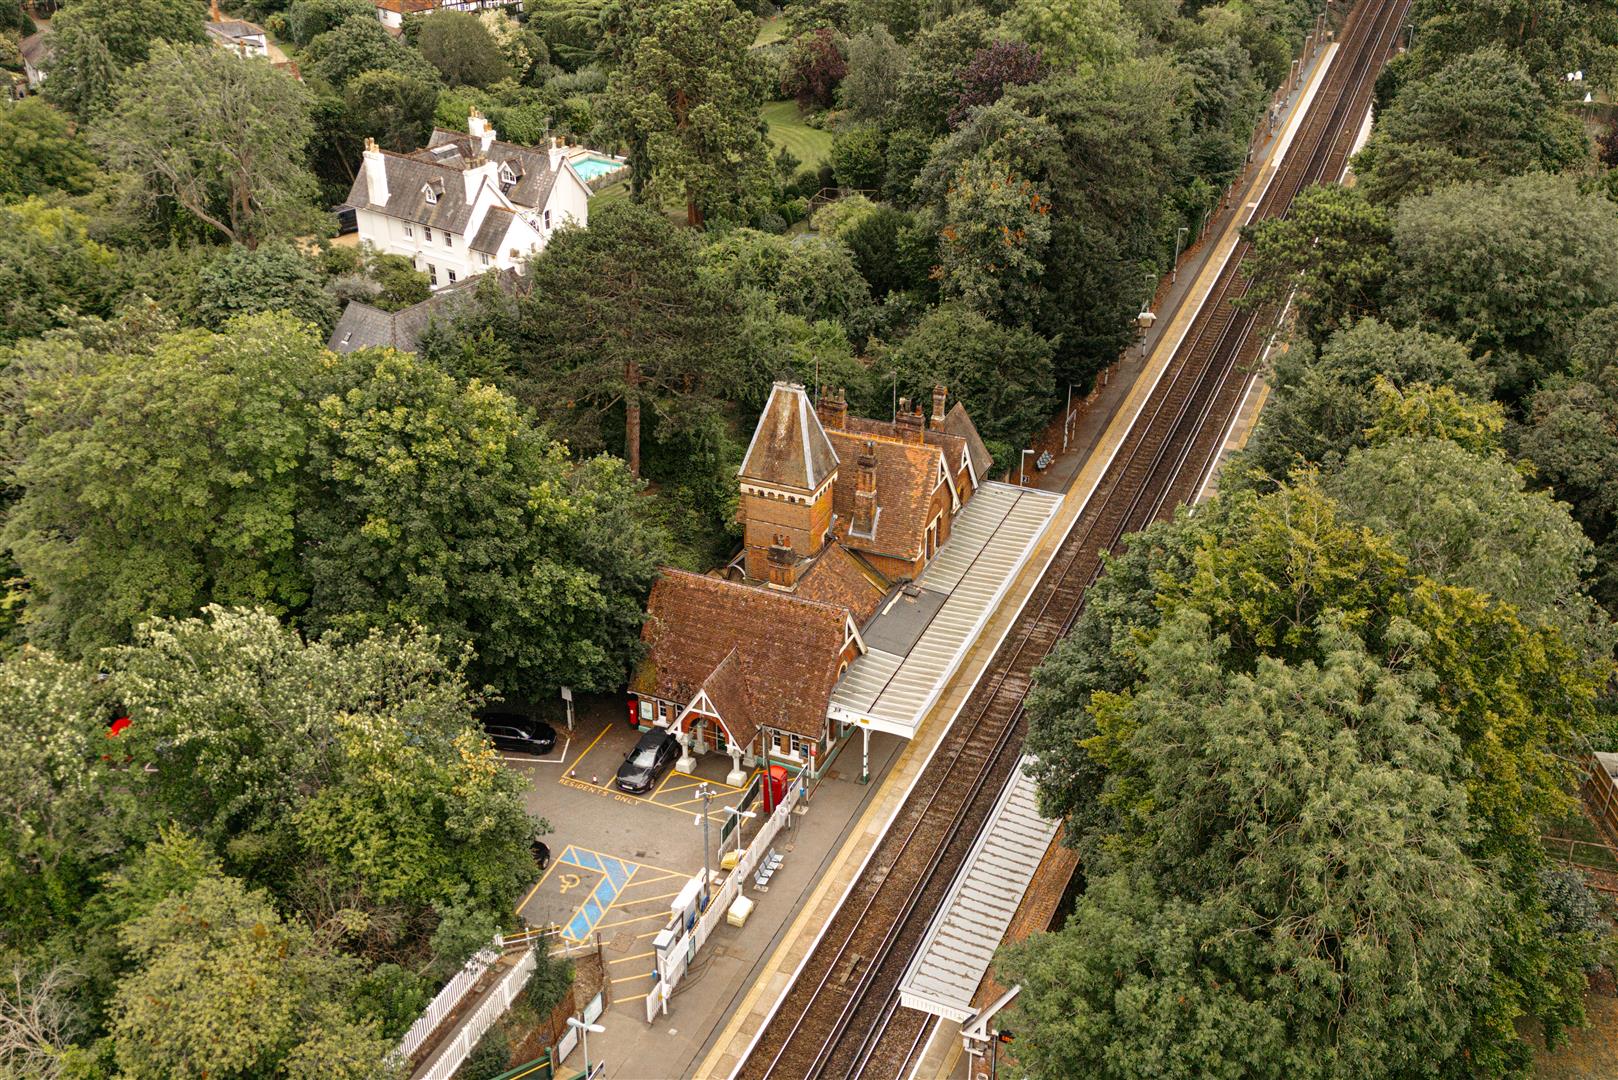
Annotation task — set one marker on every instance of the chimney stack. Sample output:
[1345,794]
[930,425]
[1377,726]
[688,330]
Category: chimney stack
[481,130]
[783,563]
[213,11]
[558,152]
[376,174]
[909,425]
[864,521]
[832,408]
[940,397]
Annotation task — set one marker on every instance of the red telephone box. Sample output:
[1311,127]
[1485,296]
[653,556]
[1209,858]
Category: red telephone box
[775,786]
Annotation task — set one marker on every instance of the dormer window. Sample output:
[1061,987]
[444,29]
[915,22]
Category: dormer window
[428,193]
[507,177]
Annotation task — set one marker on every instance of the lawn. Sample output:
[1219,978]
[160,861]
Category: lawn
[810,145]
[771,30]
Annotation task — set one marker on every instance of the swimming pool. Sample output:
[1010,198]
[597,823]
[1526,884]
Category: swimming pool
[589,168]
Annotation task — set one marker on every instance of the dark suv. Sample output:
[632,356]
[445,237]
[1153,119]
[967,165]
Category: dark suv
[654,753]
[518,734]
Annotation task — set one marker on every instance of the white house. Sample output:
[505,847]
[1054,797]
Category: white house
[393,12]
[465,204]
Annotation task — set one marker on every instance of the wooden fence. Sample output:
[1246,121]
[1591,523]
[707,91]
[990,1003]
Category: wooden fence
[1601,797]
[447,999]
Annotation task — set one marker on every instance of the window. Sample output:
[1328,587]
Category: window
[547,219]
[428,231]
[485,259]
[432,273]
[409,231]
[449,239]
[428,193]
[452,277]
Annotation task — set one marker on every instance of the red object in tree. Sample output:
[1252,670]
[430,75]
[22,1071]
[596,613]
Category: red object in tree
[117,727]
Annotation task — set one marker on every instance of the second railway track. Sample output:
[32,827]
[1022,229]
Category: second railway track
[841,1016]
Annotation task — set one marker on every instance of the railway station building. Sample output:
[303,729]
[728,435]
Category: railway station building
[843,520]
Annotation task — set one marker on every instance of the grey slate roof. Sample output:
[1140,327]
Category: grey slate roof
[535,178]
[365,327]
[36,49]
[969,926]
[407,176]
[789,447]
[493,230]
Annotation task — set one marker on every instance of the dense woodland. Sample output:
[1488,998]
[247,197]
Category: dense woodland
[298,574]
[1308,738]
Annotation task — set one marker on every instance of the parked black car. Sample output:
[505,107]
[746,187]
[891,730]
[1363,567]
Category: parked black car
[651,757]
[518,734]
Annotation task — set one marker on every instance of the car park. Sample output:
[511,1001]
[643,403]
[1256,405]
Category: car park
[518,734]
[650,758]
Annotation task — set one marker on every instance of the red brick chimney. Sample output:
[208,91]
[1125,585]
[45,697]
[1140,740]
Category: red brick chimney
[940,397]
[909,425]
[783,563]
[832,408]
[865,491]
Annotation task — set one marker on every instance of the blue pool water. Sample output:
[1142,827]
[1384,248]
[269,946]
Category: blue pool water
[591,167]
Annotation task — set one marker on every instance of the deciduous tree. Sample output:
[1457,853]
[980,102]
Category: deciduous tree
[1509,266]
[813,68]
[39,152]
[459,46]
[224,139]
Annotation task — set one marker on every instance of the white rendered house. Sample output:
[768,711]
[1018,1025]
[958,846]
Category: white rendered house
[465,204]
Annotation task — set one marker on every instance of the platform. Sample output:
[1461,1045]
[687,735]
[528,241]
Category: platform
[954,957]
[916,641]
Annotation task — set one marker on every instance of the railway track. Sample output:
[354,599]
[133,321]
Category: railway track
[841,1017]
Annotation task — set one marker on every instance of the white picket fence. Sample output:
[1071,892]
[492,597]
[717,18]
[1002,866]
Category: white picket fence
[449,997]
[672,963]
[494,1006]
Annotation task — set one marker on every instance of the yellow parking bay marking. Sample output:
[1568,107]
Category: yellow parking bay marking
[638,918]
[637,956]
[653,881]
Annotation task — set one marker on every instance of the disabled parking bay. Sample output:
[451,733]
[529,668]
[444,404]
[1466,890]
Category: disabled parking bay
[617,860]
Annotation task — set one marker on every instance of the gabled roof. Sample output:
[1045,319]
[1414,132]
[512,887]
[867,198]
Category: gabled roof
[407,176]
[840,577]
[36,49]
[907,474]
[789,447]
[492,232]
[233,29]
[365,327]
[959,424]
[787,649]
[535,177]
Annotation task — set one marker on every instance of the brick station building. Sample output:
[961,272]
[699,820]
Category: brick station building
[837,514]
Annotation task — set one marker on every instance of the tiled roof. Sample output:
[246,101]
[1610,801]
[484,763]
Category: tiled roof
[36,49]
[407,176]
[958,423]
[951,444]
[492,232]
[535,177]
[406,7]
[787,649]
[789,447]
[906,476]
[234,29]
[727,686]
[365,327]
[840,577]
